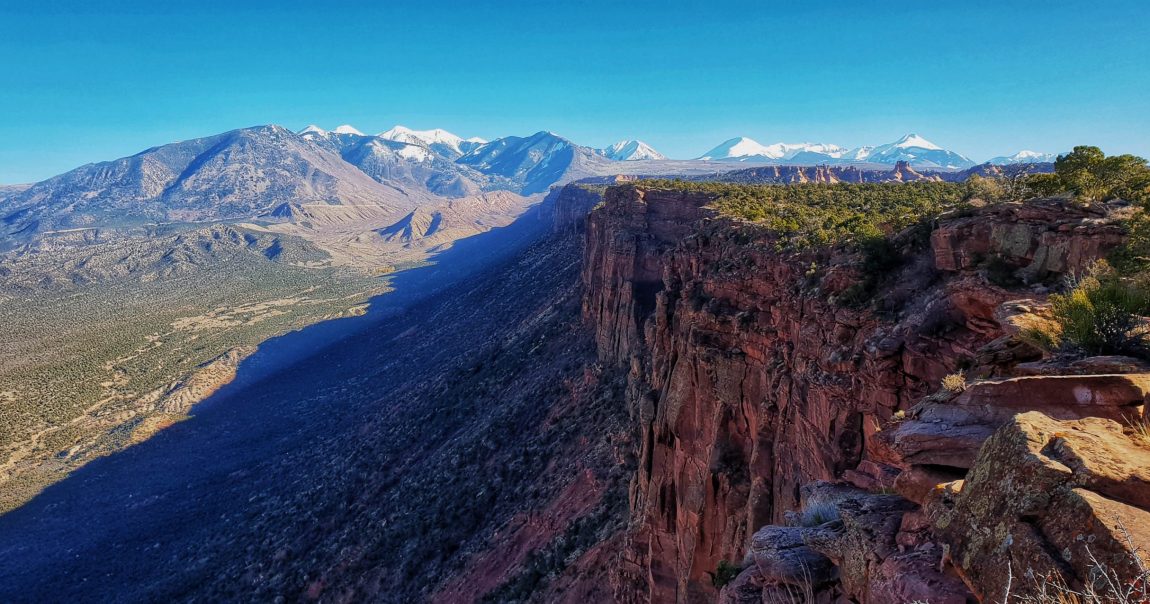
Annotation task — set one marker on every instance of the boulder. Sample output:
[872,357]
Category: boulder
[913,576]
[951,432]
[782,556]
[917,482]
[1048,497]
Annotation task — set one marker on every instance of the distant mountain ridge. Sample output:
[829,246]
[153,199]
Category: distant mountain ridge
[1023,157]
[235,175]
[270,173]
[911,148]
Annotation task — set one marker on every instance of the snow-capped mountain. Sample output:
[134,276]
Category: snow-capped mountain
[532,164]
[315,132]
[447,142]
[235,175]
[912,148]
[411,163]
[745,149]
[918,152]
[1023,157]
[630,150]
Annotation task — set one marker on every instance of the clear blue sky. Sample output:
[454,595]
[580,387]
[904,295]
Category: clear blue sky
[95,80]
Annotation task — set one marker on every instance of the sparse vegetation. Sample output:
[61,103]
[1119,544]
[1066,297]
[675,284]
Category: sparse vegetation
[1101,313]
[1104,585]
[725,573]
[817,514]
[1140,430]
[864,216]
[89,352]
[955,382]
[811,215]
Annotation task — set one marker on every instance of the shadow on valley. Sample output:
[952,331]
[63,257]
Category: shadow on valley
[370,457]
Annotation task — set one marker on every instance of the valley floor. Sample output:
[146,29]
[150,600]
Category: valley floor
[412,456]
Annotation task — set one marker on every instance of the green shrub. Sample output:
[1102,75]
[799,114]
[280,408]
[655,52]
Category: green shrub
[816,214]
[986,189]
[1089,175]
[1133,256]
[1102,314]
[725,573]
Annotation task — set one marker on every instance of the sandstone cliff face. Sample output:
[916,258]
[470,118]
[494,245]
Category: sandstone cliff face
[748,380]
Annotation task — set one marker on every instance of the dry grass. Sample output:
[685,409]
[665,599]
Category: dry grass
[955,382]
[1140,430]
[1103,586]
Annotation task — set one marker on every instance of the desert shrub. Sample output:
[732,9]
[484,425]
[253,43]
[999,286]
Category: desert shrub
[1133,256]
[1140,430]
[955,382]
[985,189]
[1102,313]
[880,256]
[818,214]
[1042,338]
[725,573]
[818,514]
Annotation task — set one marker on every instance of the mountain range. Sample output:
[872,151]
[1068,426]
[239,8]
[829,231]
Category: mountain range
[911,149]
[316,178]
[1023,157]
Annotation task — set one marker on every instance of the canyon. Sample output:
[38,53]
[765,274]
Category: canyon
[642,400]
[759,396]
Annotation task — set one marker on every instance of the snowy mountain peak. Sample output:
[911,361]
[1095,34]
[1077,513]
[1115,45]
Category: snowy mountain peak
[1023,157]
[914,140]
[917,152]
[436,136]
[735,148]
[630,150]
[911,148]
[313,129]
[745,149]
[347,129]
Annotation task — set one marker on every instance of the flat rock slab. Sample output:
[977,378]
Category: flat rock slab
[1039,392]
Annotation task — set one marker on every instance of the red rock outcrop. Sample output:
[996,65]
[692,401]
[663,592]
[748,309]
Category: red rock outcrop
[749,381]
[1038,238]
[1052,497]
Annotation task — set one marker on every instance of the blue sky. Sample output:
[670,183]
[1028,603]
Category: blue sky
[89,81]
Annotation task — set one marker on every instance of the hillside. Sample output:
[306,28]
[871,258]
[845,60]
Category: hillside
[468,445]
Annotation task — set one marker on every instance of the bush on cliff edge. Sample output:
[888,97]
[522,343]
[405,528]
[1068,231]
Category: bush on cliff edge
[1101,314]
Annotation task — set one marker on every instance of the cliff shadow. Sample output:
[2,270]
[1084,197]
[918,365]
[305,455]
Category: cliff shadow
[116,525]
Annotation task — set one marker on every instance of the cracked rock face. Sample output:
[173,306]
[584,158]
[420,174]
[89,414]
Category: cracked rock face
[1048,496]
[748,381]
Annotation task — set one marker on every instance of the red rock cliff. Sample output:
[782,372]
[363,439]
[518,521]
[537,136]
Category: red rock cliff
[749,381]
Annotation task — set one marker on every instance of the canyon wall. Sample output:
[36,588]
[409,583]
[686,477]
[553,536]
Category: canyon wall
[752,378]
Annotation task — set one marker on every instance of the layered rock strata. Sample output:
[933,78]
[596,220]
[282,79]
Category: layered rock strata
[751,377]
